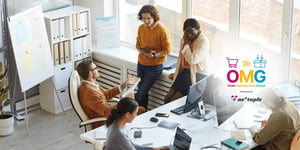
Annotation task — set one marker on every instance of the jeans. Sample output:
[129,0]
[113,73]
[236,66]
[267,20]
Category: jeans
[148,75]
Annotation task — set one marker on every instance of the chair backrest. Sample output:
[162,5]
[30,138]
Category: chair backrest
[295,145]
[74,83]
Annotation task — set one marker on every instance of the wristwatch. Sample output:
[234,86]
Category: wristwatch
[153,55]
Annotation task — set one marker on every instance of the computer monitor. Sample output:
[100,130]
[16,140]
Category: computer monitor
[225,105]
[195,94]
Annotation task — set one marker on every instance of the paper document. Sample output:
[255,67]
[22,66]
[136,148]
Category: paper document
[135,81]
[100,133]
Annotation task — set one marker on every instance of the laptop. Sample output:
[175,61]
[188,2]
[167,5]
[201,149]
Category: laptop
[182,140]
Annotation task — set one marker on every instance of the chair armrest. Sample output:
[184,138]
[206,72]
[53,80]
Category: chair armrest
[92,121]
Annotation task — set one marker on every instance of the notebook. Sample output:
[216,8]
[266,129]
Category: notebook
[168,124]
[182,140]
[242,124]
[234,144]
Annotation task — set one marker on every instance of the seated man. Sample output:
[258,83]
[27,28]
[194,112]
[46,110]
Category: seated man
[92,97]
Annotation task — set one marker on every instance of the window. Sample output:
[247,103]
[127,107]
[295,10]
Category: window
[295,48]
[260,33]
[214,21]
[170,13]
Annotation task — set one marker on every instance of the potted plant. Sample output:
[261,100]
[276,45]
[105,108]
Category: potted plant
[6,119]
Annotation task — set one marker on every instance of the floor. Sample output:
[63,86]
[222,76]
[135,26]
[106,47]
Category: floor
[46,132]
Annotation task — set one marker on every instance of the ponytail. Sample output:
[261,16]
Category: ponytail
[125,105]
[114,115]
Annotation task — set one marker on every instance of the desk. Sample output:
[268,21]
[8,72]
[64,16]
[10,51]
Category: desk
[202,133]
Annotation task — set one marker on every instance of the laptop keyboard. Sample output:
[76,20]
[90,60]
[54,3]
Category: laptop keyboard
[178,110]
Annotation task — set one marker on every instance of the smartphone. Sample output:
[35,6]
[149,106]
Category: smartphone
[162,115]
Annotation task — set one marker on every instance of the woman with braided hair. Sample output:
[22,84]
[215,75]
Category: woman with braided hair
[117,139]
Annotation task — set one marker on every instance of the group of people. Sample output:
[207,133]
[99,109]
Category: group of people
[153,44]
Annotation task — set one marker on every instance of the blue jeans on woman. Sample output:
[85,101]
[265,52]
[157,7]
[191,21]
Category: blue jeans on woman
[148,75]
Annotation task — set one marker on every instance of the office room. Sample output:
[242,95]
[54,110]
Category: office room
[248,46]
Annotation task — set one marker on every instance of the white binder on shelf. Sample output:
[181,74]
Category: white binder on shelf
[78,17]
[84,46]
[55,30]
[83,22]
[78,48]
[62,28]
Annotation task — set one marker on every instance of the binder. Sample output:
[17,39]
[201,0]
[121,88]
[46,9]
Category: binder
[55,30]
[74,24]
[83,22]
[89,44]
[84,46]
[61,52]
[66,51]
[55,54]
[78,17]
[78,48]
[62,28]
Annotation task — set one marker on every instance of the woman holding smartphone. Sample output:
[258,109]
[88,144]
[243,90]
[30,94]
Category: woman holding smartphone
[193,57]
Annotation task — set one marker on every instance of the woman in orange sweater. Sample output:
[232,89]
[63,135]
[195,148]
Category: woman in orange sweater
[153,44]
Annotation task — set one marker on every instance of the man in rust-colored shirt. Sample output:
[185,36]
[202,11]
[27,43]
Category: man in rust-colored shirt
[93,98]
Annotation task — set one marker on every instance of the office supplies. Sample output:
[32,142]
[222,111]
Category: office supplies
[137,134]
[168,124]
[182,141]
[153,119]
[234,144]
[194,95]
[162,115]
[100,134]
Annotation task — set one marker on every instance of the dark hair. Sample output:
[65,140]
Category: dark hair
[152,10]
[84,68]
[191,22]
[125,105]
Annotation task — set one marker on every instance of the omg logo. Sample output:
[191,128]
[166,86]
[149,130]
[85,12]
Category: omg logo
[250,74]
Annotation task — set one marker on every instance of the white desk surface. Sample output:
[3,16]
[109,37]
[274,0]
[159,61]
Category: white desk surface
[202,133]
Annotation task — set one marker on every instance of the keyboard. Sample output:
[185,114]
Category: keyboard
[178,110]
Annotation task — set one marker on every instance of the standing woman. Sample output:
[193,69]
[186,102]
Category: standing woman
[125,112]
[153,44]
[193,57]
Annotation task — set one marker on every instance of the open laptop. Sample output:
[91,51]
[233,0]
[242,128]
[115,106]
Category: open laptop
[182,140]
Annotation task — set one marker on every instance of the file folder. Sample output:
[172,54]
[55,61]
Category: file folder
[55,30]
[83,22]
[55,54]
[78,24]
[62,28]
[66,51]
[84,46]
[61,52]
[74,24]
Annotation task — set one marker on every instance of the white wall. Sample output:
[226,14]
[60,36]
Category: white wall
[99,8]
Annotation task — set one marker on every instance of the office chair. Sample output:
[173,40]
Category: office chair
[74,83]
[295,145]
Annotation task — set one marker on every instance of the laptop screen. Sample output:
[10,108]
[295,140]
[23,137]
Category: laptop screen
[182,141]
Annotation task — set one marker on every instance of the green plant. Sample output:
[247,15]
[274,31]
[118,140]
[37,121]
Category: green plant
[4,88]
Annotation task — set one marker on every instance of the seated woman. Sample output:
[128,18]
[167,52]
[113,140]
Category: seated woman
[193,57]
[277,133]
[125,112]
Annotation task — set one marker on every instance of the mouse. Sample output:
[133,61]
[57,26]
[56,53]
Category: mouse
[153,119]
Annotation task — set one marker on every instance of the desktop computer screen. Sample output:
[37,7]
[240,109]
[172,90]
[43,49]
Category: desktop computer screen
[195,93]
[225,106]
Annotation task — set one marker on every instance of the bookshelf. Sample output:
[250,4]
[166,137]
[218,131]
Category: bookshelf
[69,34]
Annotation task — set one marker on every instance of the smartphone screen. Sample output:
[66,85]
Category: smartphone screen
[162,115]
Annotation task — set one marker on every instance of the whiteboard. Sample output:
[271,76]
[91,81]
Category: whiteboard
[31,47]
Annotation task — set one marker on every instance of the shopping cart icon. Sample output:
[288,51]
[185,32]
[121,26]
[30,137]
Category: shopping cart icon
[232,62]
